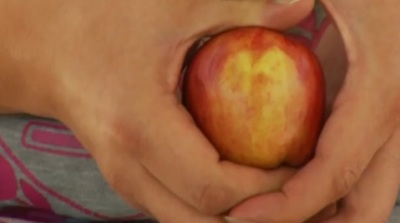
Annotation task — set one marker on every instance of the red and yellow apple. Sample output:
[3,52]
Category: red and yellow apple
[258,96]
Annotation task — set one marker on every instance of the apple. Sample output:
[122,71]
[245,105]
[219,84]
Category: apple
[258,96]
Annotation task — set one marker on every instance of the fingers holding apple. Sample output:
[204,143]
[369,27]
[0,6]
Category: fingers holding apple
[259,97]
[359,126]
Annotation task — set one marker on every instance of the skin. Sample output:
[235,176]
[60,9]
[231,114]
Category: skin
[109,71]
[120,75]
[358,154]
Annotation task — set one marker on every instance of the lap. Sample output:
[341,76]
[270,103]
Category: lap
[43,165]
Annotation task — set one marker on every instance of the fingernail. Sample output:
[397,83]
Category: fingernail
[235,220]
[286,2]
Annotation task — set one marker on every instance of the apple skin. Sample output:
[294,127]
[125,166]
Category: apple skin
[258,96]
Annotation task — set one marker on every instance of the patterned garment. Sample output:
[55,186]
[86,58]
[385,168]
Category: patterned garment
[47,176]
[42,165]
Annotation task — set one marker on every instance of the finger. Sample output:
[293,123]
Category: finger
[180,156]
[144,192]
[348,142]
[223,14]
[373,199]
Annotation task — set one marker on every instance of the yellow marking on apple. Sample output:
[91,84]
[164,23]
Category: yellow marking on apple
[247,74]
[257,97]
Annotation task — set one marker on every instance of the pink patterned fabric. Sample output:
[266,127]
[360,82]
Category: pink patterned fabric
[8,184]
[41,137]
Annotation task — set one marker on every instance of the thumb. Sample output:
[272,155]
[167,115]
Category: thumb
[275,14]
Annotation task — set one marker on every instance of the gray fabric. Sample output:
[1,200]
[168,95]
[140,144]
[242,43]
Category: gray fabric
[76,179]
[71,184]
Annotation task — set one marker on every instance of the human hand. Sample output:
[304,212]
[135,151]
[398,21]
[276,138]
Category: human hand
[358,155]
[109,70]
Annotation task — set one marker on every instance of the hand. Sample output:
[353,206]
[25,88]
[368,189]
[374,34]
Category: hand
[358,156]
[109,70]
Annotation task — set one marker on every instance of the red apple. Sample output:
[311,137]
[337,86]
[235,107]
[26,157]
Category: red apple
[258,96]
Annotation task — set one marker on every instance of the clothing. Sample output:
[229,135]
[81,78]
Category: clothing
[43,166]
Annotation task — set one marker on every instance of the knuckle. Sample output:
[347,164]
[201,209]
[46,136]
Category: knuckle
[344,181]
[124,137]
[116,137]
[212,199]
